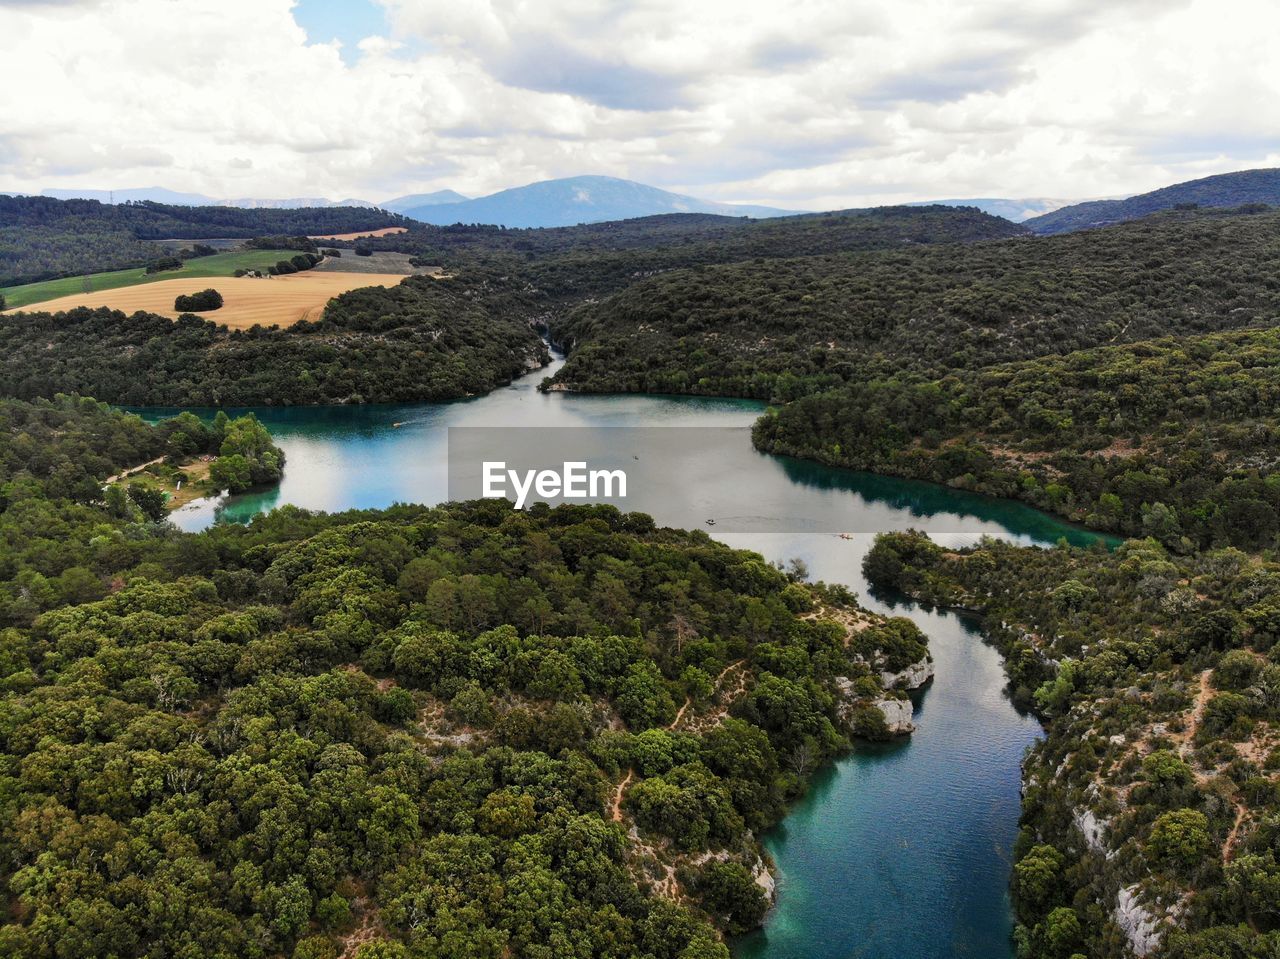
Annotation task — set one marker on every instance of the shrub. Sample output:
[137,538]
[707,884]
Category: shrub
[200,302]
[164,263]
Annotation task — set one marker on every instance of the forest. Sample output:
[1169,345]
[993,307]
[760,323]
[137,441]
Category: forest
[42,238]
[423,340]
[786,327]
[1172,438]
[463,730]
[1150,809]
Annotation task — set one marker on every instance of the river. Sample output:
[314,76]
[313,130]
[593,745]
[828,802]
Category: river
[897,851]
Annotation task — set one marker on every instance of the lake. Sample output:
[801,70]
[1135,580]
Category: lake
[897,850]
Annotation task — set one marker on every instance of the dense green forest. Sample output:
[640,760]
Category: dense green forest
[464,730]
[42,238]
[544,274]
[782,328]
[1171,438]
[422,340]
[1150,810]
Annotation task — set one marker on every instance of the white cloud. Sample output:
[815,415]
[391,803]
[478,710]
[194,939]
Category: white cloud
[816,103]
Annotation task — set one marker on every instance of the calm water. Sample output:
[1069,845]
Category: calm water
[897,851]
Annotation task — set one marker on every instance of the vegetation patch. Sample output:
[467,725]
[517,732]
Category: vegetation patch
[201,302]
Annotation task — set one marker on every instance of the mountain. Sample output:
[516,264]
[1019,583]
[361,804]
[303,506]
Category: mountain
[402,203]
[157,194]
[574,200]
[1015,210]
[291,203]
[154,193]
[1223,190]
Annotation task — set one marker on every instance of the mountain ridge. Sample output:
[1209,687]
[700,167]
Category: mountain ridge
[569,201]
[1260,185]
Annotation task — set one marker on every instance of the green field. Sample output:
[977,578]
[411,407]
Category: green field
[220,264]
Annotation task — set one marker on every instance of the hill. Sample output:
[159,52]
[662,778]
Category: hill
[581,199]
[1225,190]
[422,340]
[776,329]
[44,238]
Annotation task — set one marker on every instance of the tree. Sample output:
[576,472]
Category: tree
[729,890]
[150,500]
[1180,838]
[1037,877]
[201,302]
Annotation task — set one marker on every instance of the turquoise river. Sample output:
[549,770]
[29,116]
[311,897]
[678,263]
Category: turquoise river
[897,851]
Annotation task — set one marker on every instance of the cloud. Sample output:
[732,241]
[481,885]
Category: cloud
[815,103]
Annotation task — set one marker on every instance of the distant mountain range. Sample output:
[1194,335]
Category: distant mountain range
[402,203]
[157,194]
[594,199]
[1015,210]
[565,202]
[1223,190]
[574,200]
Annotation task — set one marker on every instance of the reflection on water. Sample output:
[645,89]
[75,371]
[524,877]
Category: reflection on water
[897,851]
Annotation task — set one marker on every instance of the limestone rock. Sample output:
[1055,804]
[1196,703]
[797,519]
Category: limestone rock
[913,677]
[897,715]
[1141,928]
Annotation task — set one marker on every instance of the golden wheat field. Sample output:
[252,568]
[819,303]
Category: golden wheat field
[385,231]
[282,300]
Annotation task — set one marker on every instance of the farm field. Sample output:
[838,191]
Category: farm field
[279,300]
[385,231]
[382,261]
[220,264]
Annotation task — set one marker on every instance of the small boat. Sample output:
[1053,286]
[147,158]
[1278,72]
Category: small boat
[711,522]
[845,536]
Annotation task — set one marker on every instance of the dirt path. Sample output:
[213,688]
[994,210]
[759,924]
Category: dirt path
[726,697]
[615,807]
[1197,713]
[131,470]
[368,928]
[1229,847]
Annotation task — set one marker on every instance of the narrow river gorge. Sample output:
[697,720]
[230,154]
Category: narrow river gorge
[898,850]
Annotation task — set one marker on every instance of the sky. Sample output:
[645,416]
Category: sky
[804,104]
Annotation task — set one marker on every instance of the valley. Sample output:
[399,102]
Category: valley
[568,660]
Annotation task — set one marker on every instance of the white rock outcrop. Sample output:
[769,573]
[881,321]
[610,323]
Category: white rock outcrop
[897,715]
[913,677]
[764,879]
[1141,928]
[1091,828]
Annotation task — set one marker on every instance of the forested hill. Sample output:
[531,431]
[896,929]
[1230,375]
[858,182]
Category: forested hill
[1174,438]
[782,328]
[654,243]
[423,340]
[1226,190]
[465,731]
[41,237]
